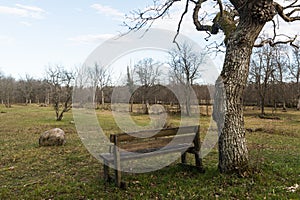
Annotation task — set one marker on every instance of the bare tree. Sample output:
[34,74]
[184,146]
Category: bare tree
[130,85]
[101,77]
[294,70]
[148,72]
[61,85]
[261,70]
[242,22]
[281,62]
[8,85]
[1,86]
[26,88]
[185,63]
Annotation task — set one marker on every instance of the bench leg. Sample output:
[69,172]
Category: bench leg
[198,161]
[118,177]
[117,164]
[183,158]
[106,171]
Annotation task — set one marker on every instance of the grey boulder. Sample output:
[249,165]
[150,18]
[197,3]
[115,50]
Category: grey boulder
[53,137]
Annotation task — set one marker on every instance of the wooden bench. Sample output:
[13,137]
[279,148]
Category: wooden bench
[135,145]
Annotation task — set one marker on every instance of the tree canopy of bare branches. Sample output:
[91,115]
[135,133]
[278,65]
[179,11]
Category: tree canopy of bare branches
[61,84]
[101,77]
[184,63]
[147,75]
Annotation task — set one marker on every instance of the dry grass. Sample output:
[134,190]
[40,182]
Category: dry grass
[28,171]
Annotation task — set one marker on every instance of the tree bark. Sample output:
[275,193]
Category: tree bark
[188,100]
[102,98]
[60,117]
[228,108]
[262,105]
[131,105]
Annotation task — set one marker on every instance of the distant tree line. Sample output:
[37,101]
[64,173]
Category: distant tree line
[274,80]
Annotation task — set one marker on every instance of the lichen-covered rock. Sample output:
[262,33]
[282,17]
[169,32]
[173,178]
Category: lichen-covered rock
[53,137]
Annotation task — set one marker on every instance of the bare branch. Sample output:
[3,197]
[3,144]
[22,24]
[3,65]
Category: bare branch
[220,7]
[141,18]
[275,41]
[272,42]
[197,23]
[292,5]
[180,22]
[287,17]
[293,11]
[215,48]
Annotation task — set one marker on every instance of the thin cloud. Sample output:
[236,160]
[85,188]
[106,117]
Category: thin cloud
[23,11]
[6,40]
[26,23]
[90,39]
[108,11]
[30,8]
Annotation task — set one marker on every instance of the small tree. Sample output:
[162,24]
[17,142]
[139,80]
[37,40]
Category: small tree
[148,73]
[261,71]
[281,62]
[294,70]
[1,86]
[26,88]
[8,85]
[130,85]
[184,63]
[101,78]
[61,87]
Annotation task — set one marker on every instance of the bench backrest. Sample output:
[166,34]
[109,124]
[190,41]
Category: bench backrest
[154,139]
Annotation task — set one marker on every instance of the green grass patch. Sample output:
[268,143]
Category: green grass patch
[28,171]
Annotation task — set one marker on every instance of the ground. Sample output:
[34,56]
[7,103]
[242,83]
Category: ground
[28,171]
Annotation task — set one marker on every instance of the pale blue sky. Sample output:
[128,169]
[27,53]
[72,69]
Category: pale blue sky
[36,33]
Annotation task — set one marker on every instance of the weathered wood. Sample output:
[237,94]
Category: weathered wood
[135,155]
[155,143]
[183,158]
[152,134]
[131,146]
[117,165]
[106,170]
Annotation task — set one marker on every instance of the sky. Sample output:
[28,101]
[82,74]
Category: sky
[39,33]
[36,34]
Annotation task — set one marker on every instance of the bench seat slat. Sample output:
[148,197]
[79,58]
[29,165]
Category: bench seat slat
[153,133]
[125,155]
[153,143]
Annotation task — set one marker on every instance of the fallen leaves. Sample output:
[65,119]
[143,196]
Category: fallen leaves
[293,188]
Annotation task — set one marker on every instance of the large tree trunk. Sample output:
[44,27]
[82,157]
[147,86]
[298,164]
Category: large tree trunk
[228,108]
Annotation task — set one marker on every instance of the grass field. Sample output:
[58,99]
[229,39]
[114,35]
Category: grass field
[28,171]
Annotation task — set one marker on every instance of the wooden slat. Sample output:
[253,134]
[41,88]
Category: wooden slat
[150,133]
[142,144]
[156,143]
[173,149]
[117,164]
[131,155]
